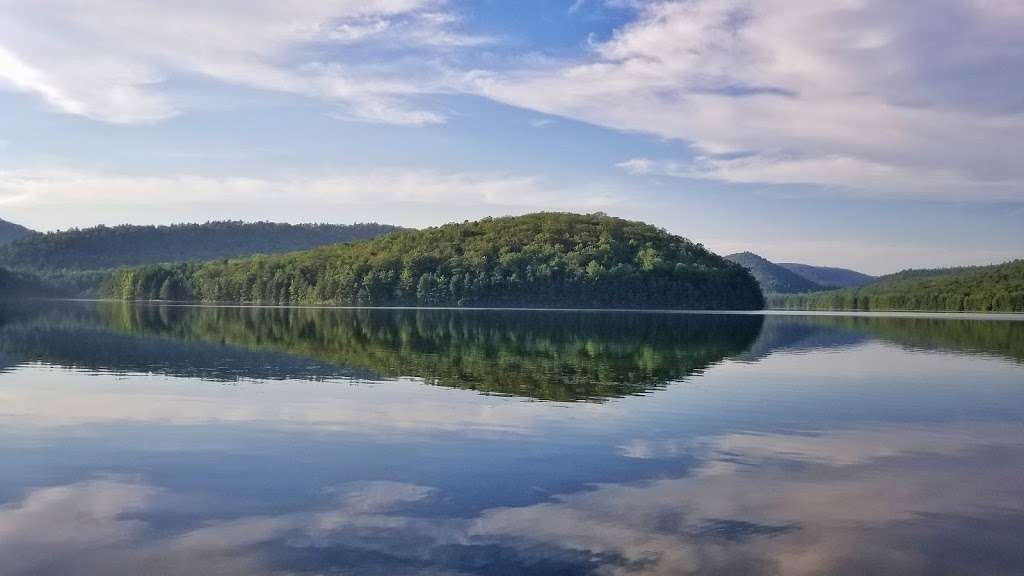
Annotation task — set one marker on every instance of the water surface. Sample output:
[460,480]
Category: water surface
[190,440]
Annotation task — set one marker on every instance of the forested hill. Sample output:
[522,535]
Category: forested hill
[9,231]
[829,277]
[544,260]
[998,288]
[773,278]
[105,247]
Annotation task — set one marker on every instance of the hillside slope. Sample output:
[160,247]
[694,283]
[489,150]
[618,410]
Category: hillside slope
[773,278]
[998,288]
[77,260]
[108,247]
[545,260]
[828,277]
[9,231]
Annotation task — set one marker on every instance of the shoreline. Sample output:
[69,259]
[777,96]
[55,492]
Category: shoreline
[1011,316]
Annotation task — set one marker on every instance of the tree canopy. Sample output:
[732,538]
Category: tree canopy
[77,260]
[544,259]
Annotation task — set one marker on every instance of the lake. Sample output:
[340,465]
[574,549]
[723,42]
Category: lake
[146,439]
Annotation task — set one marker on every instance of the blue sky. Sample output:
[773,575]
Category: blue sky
[859,133]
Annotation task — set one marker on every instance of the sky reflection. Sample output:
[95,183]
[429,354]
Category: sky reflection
[756,504]
[815,449]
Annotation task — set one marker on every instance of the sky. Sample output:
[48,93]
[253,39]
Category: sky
[869,134]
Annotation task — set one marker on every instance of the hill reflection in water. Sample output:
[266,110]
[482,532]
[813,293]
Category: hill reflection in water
[562,356]
[546,355]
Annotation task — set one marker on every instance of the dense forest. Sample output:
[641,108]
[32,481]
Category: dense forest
[773,278]
[546,259]
[9,231]
[77,260]
[998,288]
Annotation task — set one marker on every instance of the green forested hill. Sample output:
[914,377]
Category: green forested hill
[997,288]
[77,259]
[773,278]
[547,259]
[9,231]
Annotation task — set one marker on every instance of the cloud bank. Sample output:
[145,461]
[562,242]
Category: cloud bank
[866,95]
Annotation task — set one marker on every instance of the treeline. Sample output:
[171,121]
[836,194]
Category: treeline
[76,261]
[547,259]
[997,288]
[104,247]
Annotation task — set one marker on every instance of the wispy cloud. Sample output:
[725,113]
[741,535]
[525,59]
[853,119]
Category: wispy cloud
[576,6]
[71,187]
[834,174]
[116,61]
[852,93]
[866,97]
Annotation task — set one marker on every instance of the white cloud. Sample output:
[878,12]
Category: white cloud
[71,187]
[860,96]
[842,174]
[892,98]
[113,60]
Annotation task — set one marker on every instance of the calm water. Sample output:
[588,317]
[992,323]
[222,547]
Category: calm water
[180,440]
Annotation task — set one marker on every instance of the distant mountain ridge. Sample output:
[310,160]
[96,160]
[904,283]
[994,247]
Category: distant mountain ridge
[794,278]
[103,247]
[829,277]
[77,259]
[773,278]
[9,231]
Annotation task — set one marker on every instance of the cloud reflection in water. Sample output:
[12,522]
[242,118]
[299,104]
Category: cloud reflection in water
[838,503]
